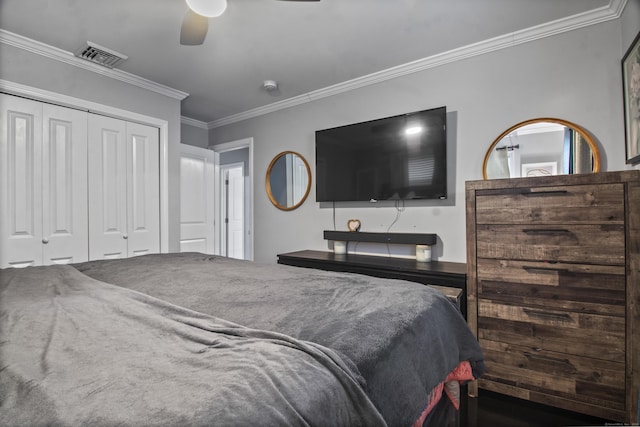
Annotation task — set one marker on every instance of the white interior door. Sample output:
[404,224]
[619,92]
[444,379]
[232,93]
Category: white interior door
[64,186]
[233,209]
[143,189]
[108,184]
[197,199]
[20,182]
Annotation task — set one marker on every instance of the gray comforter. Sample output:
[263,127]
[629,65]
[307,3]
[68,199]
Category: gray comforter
[77,351]
[403,337]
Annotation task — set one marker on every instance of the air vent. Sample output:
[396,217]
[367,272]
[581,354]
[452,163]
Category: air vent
[100,55]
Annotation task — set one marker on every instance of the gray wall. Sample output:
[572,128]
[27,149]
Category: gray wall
[575,76]
[194,135]
[23,67]
[630,23]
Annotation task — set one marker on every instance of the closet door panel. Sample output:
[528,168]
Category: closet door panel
[107,188]
[20,182]
[143,185]
[64,186]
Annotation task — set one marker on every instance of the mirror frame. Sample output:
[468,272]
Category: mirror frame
[268,181]
[587,137]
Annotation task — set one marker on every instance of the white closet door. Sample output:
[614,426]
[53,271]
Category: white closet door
[20,182]
[107,188]
[143,188]
[64,186]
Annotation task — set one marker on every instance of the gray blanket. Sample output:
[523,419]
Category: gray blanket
[76,351]
[404,337]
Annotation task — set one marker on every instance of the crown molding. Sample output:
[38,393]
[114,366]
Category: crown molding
[605,13]
[66,57]
[193,122]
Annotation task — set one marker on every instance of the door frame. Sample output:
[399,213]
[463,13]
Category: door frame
[37,94]
[224,207]
[223,148]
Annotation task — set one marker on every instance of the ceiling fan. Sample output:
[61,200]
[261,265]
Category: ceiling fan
[196,22]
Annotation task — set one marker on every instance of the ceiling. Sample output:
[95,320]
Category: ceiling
[303,46]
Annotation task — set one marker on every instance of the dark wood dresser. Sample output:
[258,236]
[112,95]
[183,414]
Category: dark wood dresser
[553,289]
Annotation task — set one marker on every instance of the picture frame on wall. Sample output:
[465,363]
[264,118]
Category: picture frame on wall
[631,93]
[539,169]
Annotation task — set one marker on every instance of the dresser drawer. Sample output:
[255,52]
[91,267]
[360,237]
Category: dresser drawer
[569,376]
[592,335]
[597,289]
[576,204]
[594,243]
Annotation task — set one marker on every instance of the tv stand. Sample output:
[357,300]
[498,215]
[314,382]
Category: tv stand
[442,273]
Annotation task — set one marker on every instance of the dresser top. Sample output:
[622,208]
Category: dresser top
[547,181]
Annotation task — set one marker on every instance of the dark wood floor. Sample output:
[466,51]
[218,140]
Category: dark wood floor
[495,410]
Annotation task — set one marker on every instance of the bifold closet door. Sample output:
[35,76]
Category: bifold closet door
[124,196]
[43,178]
[20,182]
[64,186]
[143,189]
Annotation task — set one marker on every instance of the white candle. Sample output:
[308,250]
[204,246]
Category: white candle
[423,253]
[339,248]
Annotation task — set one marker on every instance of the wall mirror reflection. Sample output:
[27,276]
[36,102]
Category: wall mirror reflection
[288,180]
[539,147]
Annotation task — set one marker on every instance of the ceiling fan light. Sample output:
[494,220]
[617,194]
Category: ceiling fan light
[208,8]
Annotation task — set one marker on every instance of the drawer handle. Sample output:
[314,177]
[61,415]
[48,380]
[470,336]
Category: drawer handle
[546,314]
[546,231]
[529,193]
[530,269]
[544,358]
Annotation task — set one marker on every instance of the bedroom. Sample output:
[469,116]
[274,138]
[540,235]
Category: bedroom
[502,80]
[574,75]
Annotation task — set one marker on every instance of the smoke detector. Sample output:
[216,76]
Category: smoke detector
[270,85]
[100,55]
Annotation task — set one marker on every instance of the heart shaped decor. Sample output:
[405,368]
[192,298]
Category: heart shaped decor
[353,225]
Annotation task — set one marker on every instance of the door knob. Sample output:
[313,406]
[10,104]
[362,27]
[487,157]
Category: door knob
[124,236]
[45,241]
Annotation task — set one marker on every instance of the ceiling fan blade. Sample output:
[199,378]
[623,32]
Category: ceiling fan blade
[194,29]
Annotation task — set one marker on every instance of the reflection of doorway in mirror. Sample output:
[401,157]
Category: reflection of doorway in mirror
[539,169]
[298,175]
[513,156]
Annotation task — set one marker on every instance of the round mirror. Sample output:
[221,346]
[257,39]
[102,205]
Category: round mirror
[539,147]
[288,180]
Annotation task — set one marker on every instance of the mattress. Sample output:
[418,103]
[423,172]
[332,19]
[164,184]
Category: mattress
[76,351]
[194,339]
[404,338]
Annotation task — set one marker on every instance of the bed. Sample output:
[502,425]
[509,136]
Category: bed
[195,339]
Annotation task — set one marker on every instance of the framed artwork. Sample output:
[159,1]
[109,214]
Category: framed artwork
[539,169]
[631,91]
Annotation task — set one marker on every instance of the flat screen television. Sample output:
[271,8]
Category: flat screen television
[402,157]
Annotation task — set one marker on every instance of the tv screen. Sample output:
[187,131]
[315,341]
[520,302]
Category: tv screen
[396,158]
